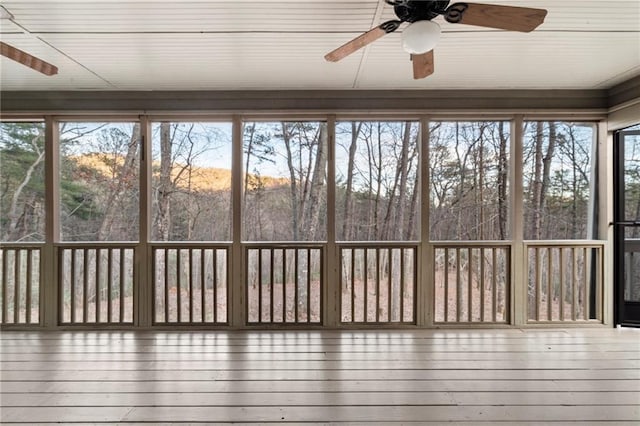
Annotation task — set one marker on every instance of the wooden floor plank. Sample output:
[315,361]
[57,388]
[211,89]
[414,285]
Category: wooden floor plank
[504,376]
[390,356]
[334,399]
[326,386]
[322,414]
[322,365]
[342,375]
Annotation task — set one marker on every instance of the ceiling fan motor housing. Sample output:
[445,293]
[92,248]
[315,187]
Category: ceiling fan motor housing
[416,10]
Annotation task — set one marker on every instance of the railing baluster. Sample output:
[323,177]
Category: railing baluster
[308,285]
[98,272]
[389,283]
[352,283]
[598,295]
[190,278]
[537,282]
[295,285]
[585,282]
[203,298]
[109,284]
[154,279]
[85,284]
[470,285]
[179,283]
[446,284]
[562,284]
[271,282]
[494,285]
[73,286]
[377,264]
[165,274]
[5,273]
[16,286]
[458,284]
[122,282]
[482,275]
[284,285]
[574,289]
[549,289]
[29,284]
[215,284]
[414,299]
[401,253]
[366,285]
[259,285]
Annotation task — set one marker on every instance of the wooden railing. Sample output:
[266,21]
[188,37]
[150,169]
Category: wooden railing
[472,282]
[565,281]
[21,278]
[284,283]
[378,282]
[96,283]
[190,283]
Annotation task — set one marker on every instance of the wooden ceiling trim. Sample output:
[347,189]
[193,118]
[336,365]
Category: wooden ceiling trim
[378,101]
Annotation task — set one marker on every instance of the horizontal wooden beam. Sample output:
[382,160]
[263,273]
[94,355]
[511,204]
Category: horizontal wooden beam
[624,92]
[305,101]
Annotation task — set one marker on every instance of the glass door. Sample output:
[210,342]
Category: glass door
[627,226]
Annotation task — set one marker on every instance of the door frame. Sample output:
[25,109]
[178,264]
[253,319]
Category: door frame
[621,307]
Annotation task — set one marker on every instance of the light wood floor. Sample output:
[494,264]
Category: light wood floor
[579,376]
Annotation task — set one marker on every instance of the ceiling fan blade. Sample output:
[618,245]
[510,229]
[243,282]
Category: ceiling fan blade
[510,18]
[28,60]
[422,65]
[362,40]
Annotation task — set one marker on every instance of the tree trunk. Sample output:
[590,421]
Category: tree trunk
[347,221]
[503,178]
[546,169]
[376,210]
[124,177]
[404,177]
[317,185]
[286,137]
[248,153]
[14,216]
[418,187]
[163,217]
[537,195]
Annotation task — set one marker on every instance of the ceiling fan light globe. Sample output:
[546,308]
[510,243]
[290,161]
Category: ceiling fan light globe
[420,37]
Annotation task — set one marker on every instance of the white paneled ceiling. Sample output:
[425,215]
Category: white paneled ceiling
[269,44]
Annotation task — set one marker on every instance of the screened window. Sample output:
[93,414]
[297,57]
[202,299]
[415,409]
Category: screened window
[469,176]
[191,181]
[557,179]
[22,189]
[377,181]
[284,181]
[99,181]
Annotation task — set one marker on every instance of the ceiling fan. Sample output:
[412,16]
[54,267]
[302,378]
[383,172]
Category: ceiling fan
[20,55]
[422,35]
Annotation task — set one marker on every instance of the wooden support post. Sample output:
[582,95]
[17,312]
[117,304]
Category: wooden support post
[425,293]
[236,291]
[143,284]
[332,291]
[518,280]
[49,285]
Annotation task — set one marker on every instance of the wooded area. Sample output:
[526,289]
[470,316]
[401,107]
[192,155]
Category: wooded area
[377,181]
[284,195]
